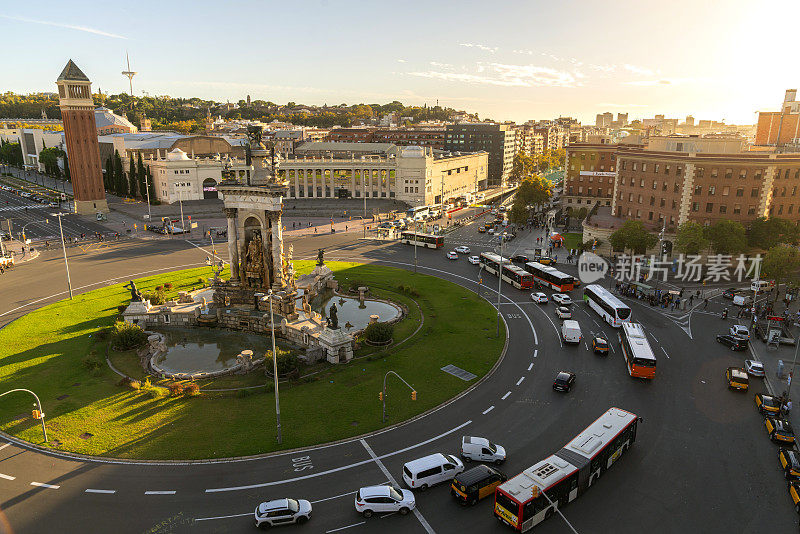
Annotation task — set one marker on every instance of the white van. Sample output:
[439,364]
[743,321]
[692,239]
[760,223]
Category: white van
[759,285]
[741,299]
[481,450]
[429,470]
[571,331]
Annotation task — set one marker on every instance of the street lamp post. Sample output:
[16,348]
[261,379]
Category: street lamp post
[180,202]
[64,248]
[38,404]
[147,189]
[499,285]
[275,368]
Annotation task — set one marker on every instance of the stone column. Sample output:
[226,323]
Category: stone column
[277,250]
[233,243]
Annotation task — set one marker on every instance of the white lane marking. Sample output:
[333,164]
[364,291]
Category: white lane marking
[504,397]
[612,347]
[342,528]
[586,345]
[337,496]
[160,492]
[222,516]
[665,352]
[489,409]
[520,380]
[7,477]
[3,446]
[43,485]
[91,490]
[535,353]
[598,324]
[386,472]
[654,337]
[342,468]
[530,367]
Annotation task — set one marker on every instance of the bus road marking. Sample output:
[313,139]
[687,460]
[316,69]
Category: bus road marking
[504,397]
[7,477]
[103,491]
[520,380]
[530,367]
[489,409]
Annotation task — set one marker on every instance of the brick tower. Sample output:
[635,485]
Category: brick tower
[80,132]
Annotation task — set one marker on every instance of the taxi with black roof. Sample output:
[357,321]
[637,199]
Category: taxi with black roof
[779,431]
[790,462]
[737,378]
[794,493]
[767,404]
[474,484]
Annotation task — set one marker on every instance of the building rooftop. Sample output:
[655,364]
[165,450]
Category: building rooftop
[333,146]
[71,72]
[104,117]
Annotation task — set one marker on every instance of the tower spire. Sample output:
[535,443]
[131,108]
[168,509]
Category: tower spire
[129,73]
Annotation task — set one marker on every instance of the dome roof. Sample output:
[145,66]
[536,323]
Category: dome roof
[177,155]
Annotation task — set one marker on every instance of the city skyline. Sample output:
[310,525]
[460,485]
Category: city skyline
[523,62]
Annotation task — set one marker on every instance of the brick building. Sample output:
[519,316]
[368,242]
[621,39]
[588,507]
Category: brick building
[496,139]
[590,174]
[779,128]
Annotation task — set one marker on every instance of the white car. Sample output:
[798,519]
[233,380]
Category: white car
[754,368]
[481,450]
[373,499]
[282,512]
[490,231]
[539,298]
[474,260]
[740,331]
[452,256]
[562,299]
[563,312]
[462,249]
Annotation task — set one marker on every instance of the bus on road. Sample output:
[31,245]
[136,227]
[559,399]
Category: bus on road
[516,276]
[550,276]
[636,349]
[422,240]
[609,307]
[532,496]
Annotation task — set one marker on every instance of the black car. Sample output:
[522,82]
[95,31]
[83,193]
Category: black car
[520,259]
[729,293]
[735,343]
[564,381]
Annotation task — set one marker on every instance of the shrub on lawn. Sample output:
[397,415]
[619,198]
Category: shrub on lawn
[159,288]
[167,286]
[201,281]
[155,297]
[287,361]
[101,335]
[92,364]
[157,393]
[379,332]
[127,336]
[134,384]
[176,389]
[191,390]
[121,308]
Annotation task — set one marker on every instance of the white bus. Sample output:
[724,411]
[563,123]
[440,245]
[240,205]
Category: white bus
[606,305]
[637,351]
[516,276]
[422,240]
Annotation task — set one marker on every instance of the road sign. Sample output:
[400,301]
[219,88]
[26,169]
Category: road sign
[774,318]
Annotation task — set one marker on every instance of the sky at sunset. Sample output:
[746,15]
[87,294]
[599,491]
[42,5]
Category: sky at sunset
[504,60]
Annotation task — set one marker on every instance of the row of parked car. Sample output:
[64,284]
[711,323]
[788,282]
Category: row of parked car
[467,486]
[30,196]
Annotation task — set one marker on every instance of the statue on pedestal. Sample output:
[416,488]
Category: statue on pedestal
[333,318]
[136,295]
[254,261]
[320,257]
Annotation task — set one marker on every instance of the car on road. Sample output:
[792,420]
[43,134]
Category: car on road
[767,404]
[282,512]
[735,343]
[371,499]
[564,381]
[474,260]
[519,259]
[790,462]
[794,493]
[571,331]
[740,331]
[562,299]
[481,450]
[427,471]
[563,312]
[599,345]
[452,255]
[544,260]
[779,430]
[462,249]
[490,231]
[481,229]
[737,378]
[729,293]
[539,298]
[475,484]
[754,368]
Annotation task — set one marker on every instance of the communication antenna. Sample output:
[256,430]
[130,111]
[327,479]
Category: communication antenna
[129,73]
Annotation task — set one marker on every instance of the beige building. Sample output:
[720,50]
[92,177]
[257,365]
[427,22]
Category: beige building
[415,175]
[179,177]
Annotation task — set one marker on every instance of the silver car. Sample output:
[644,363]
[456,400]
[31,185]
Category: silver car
[282,512]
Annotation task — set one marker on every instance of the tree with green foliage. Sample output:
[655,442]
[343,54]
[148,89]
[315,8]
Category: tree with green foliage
[523,167]
[633,236]
[690,238]
[120,183]
[140,177]
[133,179]
[67,175]
[726,237]
[11,154]
[532,191]
[766,233]
[151,186]
[49,158]
[108,175]
[782,264]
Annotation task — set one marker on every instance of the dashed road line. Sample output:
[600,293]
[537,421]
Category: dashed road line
[7,477]
[160,492]
[504,397]
[102,491]
[337,496]
[489,409]
[530,367]
[665,352]
[222,517]
[535,353]
[43,485]
[520,380]
[342,528]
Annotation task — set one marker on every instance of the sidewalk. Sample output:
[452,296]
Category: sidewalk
[15,247]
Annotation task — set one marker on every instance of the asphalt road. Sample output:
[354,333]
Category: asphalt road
[37,221]
[702,460]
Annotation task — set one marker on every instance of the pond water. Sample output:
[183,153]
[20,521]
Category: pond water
[206,350]
[349,310]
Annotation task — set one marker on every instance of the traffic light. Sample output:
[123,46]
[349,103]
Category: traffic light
[413,395]
[380,395]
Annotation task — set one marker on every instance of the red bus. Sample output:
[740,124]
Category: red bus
[637,351]
[535,494]
[550,277]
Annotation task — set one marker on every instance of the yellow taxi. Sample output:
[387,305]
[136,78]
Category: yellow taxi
[779,431]
[475,484]
[767,404]
[790,461]
[545,260]
[794,493]
[737,378]
[599,345]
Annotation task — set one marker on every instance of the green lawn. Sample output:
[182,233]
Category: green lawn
[52,350]
[572,239]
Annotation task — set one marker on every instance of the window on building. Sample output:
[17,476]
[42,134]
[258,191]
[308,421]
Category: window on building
[695,206]
[757,175]
[633,182]
[698,172]
[790,208]
[630,197]
[650,216]
[737,209]
[698,190]
[638,214]
[728,173]
[754,192]
[663,202]
[794,190]
[634,165]
[664,186]
[640,199]
[711,190]
[655,184]
[644,167]
[780,209]
[786,174]
[723,208]
[676,187]
[709,207]
[742,174]
[666,169]
[656,167]
[751,210]
[726,191]
[624,165]
[674,204]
